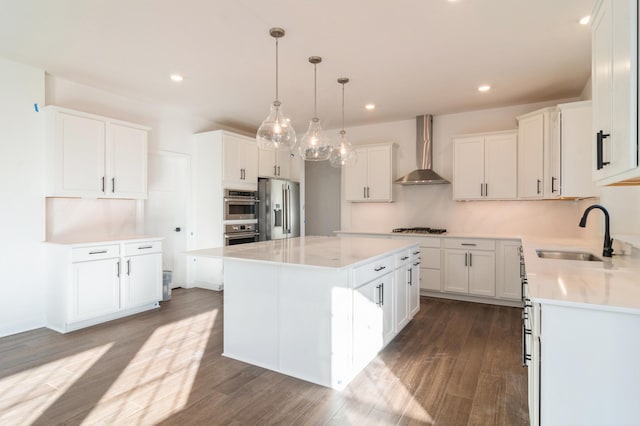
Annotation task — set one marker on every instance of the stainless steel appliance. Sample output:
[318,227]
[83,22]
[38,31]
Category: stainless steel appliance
[279,210]
[240,205]
[240,233]
[419,230]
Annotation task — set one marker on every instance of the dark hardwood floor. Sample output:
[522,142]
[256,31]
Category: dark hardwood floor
[456,363]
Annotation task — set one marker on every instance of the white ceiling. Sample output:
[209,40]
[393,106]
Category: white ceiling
[409,57]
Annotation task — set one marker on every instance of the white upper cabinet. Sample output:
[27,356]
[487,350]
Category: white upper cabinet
[484,166]
[369,180]
[614,74]
[274,163]
[569,157]
[534,132]
[93,156]
[240,161]
[127,162]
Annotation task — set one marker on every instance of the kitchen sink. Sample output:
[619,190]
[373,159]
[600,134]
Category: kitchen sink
[567,255]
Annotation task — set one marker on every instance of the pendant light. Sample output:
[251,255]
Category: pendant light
[276,130]
[315,145]
[343,153]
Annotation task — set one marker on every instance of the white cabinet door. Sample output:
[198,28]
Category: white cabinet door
[615,78]
[240,162]
[356,177]
[468,168]
[367,324]
[379,173]
[508,285]
[530,156]
[81,143]
[500,166]
[267,166]
[127,154]
[402,298]
[387,292]
[95,289]
[142,280]
[456,271]
[482,273]
[414,288]
[430,279]
[575,122]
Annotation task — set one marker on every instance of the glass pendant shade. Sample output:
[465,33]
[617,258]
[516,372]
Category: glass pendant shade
[343,154]
[315,145]
[276,130]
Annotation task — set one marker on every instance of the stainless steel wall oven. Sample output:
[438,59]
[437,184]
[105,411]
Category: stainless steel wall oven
[240,205]
[240,234]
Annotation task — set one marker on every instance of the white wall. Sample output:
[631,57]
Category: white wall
[432,205]
[22,280]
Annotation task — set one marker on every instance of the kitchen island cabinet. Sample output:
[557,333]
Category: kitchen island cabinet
[322,307]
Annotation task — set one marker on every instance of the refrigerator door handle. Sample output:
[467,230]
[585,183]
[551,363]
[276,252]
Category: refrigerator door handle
[288,204]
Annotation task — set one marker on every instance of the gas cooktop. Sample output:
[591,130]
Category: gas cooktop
[419,230]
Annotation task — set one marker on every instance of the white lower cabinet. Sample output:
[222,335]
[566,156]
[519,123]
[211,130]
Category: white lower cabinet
[372,319]
[470,267]
[584,366]
[140,284]
[95,289]
[90,284]
[508,284]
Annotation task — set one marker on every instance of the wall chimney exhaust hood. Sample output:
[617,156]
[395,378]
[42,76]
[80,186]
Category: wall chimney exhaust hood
[424,174]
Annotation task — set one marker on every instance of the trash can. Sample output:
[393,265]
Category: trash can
[166,285]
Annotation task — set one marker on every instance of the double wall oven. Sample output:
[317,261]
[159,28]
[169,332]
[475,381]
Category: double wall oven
[240,217]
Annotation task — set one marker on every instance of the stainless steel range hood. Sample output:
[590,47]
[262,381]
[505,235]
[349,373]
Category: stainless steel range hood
[424,174]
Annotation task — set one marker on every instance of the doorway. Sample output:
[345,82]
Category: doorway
[322,198]
[165,210]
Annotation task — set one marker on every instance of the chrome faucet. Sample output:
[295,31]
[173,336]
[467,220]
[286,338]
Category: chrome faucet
[607,250]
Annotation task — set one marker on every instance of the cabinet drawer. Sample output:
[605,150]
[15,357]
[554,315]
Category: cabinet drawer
[144,247]
[470,244]
[84,254]
[372,270]
[430,258]
[403,258]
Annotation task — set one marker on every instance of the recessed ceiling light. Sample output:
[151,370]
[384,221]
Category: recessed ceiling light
[370,107]
[484,88]
[176,77]
[585,20]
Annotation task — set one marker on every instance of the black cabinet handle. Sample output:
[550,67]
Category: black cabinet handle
[553,183]
[113,184]
[470,257]
[102,183]
[278,170]
[98,252]
[538,182]
[600,137]
[144,247]
[380,268]
[128,266]
[482,190]
[465,259]
[404,257]
[118,268]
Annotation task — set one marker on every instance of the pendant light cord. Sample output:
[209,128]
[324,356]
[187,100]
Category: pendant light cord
[343,107]
[315,91]
[277,70]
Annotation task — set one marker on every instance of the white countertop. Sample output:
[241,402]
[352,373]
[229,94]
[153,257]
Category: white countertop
[611,285]
[328,252]
[89,241]
[445,235]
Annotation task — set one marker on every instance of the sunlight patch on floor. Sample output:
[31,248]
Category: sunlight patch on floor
[160,376]
[384,386]
[26,395]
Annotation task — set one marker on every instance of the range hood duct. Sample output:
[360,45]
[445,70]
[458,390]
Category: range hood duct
[424,174]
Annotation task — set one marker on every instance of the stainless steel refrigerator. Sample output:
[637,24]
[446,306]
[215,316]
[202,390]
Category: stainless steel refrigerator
[278,209]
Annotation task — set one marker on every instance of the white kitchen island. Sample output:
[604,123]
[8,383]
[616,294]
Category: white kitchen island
[316,308]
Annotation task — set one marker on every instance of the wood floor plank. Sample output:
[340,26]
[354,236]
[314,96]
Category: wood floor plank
[454,363]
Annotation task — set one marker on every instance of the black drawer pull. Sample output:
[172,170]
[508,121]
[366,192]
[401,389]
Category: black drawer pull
[380,268]
[98,252]
[468,244]
[144,247]
[404,257]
